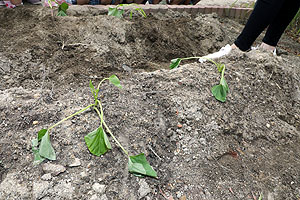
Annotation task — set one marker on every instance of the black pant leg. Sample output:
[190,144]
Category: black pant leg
[262,15]
[282,20]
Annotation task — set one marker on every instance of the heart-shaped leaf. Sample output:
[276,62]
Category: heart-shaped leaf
[175,63]
[114,80]
[46,149]
[97,142]
[219,92]
[138,165]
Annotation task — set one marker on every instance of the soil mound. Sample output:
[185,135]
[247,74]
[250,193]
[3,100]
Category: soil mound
[234,150]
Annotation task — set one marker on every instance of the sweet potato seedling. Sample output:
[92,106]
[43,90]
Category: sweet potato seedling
[219,91]
[62,8]
[118,11]
[97,141]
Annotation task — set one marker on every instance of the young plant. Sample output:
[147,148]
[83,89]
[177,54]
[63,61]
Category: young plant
[96,141]
[118,11]
[219,91]
[62,8]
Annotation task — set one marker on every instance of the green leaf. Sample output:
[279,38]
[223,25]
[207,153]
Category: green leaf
[175,63]
[219,91]
[97,142]
[220,67]
[138,165]
[63,7]
[41,133]
[37,157]
[61,13]
[224,84]
[46,149]
[114,80]
[115,12]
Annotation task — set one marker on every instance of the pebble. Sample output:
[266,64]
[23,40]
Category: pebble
[53,169]
[46,177]
[144,188]
[76,163]
[97,187]
[268,125]
[35,122]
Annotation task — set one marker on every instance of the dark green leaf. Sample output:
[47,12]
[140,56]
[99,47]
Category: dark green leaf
[41,133]
[175,63]
[63,7]
[37,157]
[114,80]
[46,149]
[115,12]
[97,142]
[139,165]
[219,92]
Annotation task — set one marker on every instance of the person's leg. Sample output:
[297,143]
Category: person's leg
[280,22]
[262,15]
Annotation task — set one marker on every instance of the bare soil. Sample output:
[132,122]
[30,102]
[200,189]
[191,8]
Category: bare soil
[200,148]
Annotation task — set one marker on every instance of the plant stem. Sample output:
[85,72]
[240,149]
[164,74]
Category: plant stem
[82,110]
[106,127]
[101,82]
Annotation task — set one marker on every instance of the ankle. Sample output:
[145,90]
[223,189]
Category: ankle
[267,47]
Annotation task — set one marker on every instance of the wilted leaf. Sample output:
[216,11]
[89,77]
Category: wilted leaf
[41,133]
[175,63]
[115,12]
[114,80]
[97,142]
[224,84]
[46,150]
[219,92]
[37,157]
[139,165]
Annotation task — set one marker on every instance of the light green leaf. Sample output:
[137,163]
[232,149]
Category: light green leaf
[138,165]
[115,12]
[224,84]
[220,67]
[175,63]
[219,92]
[97,142]
[114,80]
[61,13]
[46,149]
[37,157]
[41,133]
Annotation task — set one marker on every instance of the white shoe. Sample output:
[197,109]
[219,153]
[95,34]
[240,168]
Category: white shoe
[223,52]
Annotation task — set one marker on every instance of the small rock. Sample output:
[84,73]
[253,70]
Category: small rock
[36,96]
[46,177]
[83,174]
[94,197]
[144,188]
[53,169]
[76,163]
[40,189]
[268,125]
[98,188]
[35,122]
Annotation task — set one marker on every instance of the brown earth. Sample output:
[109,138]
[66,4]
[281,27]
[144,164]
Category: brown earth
[234,150]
